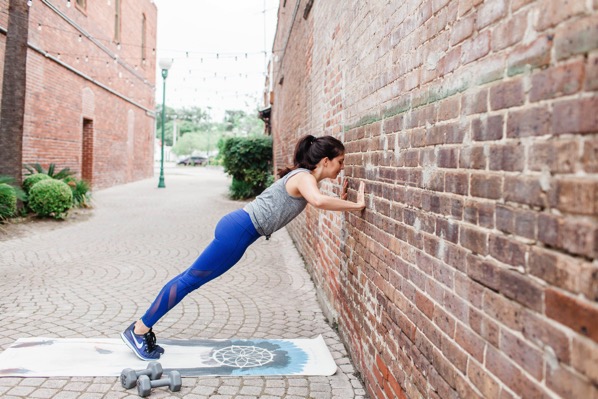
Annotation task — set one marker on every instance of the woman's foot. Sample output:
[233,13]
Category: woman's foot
[143,345]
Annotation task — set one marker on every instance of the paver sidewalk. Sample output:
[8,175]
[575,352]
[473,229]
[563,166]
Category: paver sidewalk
[92,278]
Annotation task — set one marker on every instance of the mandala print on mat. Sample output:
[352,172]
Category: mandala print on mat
[243,356]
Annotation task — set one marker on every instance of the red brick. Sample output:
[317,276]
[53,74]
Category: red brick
[474,240]
[449,109]
[584,357]
[555,12]
[569,384]
[511,375]
[490,128]
[577,196]
[533,55]
[589,159]
[490,12]
[475,48]
[457,183]
[576,37]
[507,251]
[579,315]
[465,6]
[507,94]
[479,376]
[522,353]
[524,191]
[484,326]
[576,116]
[588,285]
[504,310]
[545,334]
[557,156]
[484,272]
[591,81]
[517,4]
[557,82]
[473,158]
[470,341]
[486,186]
[462,29]
[579,237]
[475,103]
[509,32]
[509,157]
[529,122]
[558,270]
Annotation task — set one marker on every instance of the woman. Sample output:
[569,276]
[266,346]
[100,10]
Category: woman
[315,159]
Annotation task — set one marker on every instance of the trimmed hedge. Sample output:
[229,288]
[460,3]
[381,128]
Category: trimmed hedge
[249,161]
[50,197]
[8,201]
[32,179]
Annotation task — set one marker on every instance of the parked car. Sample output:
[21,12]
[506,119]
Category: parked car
[192,160]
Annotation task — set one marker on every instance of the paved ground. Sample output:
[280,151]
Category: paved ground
[93,277]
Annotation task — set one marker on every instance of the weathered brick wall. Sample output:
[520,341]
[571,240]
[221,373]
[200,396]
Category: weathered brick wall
[473,272]
[76,71]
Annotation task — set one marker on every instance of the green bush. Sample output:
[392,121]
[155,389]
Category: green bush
[249,161]
[9,194]
[81,193]
[8,201]
[50,197]
[32,179]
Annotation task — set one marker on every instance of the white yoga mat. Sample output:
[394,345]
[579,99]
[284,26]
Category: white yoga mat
[71,357]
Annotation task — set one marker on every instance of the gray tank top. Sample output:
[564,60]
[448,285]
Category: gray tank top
[274,207]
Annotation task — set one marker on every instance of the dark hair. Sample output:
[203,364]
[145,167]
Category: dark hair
[311,150]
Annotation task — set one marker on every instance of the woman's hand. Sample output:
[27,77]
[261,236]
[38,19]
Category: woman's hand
[361,194]
[344,192]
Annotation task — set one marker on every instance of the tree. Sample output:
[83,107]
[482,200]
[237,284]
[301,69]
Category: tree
[12,108]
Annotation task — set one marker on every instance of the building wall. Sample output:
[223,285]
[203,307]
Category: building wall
[77,71]
[473,271]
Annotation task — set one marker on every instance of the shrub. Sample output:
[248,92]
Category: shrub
[249,161]
[81,193]
[60,175]
[50,197]
[32,179]
[8,201]
[9,194]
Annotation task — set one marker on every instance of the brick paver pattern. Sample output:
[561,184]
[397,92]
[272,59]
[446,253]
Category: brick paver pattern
[93,277]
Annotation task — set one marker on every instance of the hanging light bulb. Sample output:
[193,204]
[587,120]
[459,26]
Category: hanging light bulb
[68,3]
[39,26]
[29,3]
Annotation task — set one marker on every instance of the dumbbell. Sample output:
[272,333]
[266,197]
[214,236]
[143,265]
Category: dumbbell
[173,382]
[128,377]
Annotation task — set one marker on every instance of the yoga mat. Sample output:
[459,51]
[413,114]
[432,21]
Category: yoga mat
[72,357]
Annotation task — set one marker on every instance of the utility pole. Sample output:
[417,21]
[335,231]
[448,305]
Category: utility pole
[14,82]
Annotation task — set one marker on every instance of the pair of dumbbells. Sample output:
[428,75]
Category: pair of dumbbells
[150,378]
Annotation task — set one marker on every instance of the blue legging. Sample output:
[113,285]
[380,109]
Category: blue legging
[234,233]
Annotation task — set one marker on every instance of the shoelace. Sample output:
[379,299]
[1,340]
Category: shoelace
[150,340]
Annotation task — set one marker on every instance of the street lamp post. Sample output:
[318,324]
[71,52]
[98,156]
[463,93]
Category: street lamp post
[165,64]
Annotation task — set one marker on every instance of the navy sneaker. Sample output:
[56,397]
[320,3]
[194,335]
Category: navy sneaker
[144,346]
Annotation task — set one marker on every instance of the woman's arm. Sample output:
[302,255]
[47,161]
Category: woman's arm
[308,188]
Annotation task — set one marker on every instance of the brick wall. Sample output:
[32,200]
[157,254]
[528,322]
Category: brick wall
[473,272]
[76,71]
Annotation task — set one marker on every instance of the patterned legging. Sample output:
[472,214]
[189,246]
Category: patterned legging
[234,234]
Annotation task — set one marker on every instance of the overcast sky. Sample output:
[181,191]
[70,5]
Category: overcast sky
[218,50]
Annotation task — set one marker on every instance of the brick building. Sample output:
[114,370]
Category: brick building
[90,86]
[473,271]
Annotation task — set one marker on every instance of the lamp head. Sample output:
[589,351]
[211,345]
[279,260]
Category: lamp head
[165,64]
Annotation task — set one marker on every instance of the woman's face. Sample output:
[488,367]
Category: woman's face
[336,165]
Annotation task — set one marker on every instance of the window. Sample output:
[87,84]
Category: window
[143,39]
[82,4]
[117,18]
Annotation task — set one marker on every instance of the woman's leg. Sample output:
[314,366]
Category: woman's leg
[234,233]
